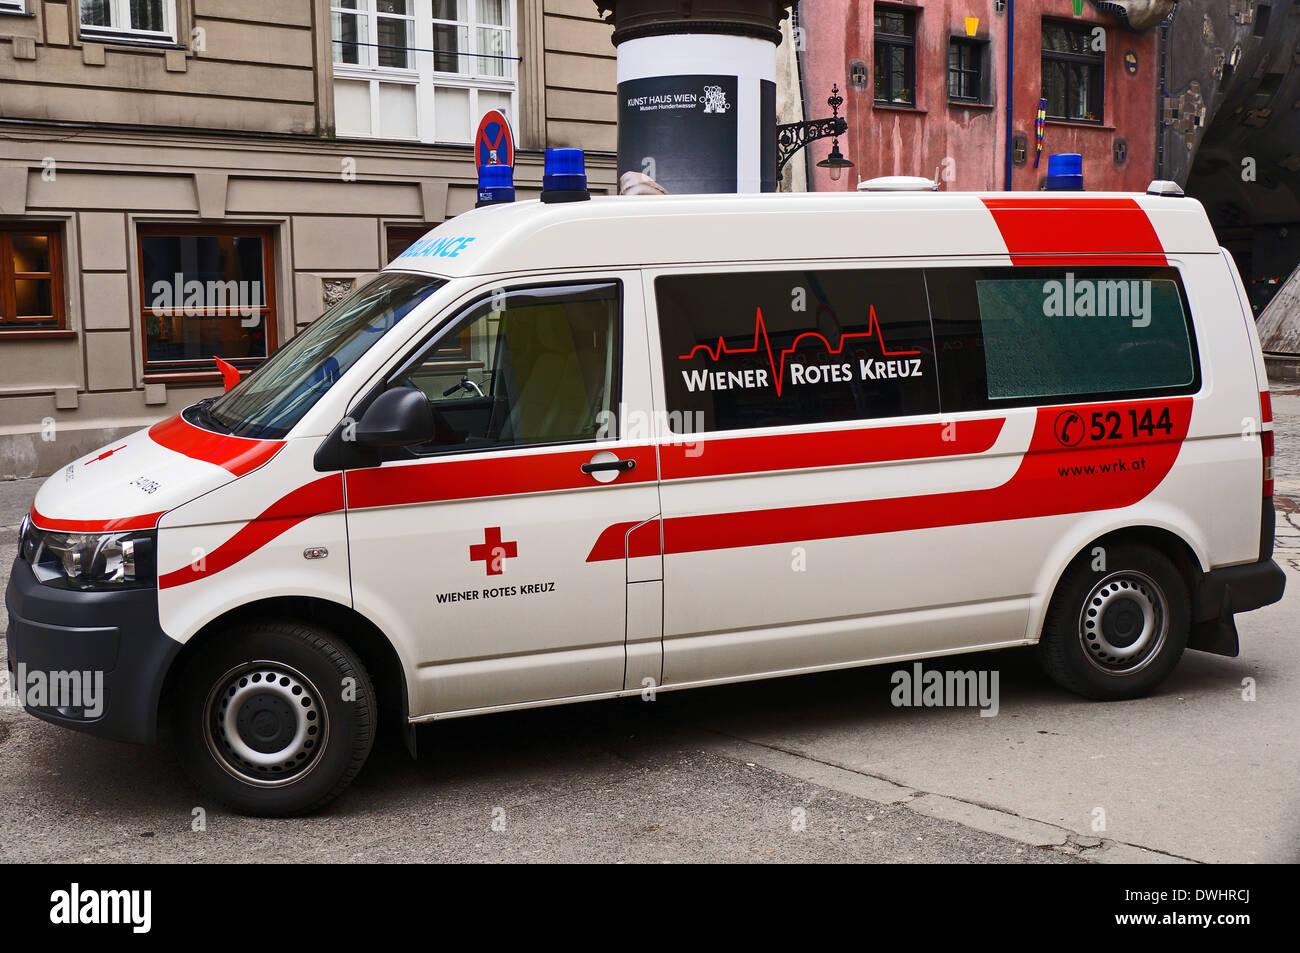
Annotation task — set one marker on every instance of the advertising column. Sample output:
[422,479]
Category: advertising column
[697,94]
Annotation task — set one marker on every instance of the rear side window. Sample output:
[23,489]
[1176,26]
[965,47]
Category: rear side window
[772,349]
[1015,336]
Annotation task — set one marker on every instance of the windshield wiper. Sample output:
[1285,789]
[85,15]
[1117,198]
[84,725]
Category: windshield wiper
[207,418]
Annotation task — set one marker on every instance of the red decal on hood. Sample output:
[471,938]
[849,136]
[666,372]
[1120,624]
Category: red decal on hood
[1076,230]
[239,455]
[120,524]
[320,496]
[103,456]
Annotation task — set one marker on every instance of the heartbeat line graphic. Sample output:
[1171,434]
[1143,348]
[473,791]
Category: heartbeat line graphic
[778,371]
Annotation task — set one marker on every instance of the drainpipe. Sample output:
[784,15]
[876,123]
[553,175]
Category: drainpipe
[1010,81]
[1011,78]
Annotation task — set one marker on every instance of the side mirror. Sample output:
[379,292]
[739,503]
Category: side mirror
[397,418]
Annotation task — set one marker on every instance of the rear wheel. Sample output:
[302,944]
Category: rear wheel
[1118,631]
[274,718]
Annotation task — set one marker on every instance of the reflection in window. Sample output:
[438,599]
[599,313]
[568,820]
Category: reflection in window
[205,296]
[542,369]
[31,293]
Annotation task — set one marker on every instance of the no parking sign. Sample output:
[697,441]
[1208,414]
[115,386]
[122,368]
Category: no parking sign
[494,144]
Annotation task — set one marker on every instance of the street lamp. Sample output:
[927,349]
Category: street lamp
[793,136]
[835,163]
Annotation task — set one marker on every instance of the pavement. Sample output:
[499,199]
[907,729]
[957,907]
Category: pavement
[813,768]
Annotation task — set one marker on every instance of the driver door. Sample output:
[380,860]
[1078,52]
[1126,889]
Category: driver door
[477,552]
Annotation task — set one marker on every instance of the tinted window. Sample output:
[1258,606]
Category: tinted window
[1010,336]
[770,349]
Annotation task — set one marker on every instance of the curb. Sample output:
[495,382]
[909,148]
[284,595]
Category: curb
[1282,367]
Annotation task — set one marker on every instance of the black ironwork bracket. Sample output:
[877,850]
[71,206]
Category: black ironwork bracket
[793,136]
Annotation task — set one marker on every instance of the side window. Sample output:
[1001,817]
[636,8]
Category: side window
[771,349]
[540,367]
[1016,336]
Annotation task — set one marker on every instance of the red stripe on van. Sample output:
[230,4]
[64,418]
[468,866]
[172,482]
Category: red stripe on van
[120,524]
[239,455]
[1059,230]
[1052,480]
[455,479]
[735,455]
[314,499]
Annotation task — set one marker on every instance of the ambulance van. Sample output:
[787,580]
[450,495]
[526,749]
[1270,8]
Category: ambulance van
[577,449]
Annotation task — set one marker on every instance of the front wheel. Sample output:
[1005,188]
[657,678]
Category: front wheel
[274,718]
[1117,624]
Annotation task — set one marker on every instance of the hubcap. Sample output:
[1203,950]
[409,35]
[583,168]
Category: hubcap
[265,724]
[1123,623]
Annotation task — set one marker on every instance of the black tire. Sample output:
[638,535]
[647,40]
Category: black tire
[261,721]
[1116,632]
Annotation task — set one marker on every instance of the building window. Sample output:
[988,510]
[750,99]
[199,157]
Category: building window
[207,292]
[12,6]
[114,20]
[422,70]
[31,279]
[895,31]
[966,70]
[389,22]
[1073,72]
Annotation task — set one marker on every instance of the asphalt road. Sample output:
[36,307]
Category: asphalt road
[816,768]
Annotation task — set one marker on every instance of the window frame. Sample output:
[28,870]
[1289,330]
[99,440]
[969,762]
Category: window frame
[422,74]
[860,267]
[128,34]
[13,6]
[1046,272]
[157,371]
[9,277]
[369,11]
[460,312]
[1094,61]
[884,42]
[980,71]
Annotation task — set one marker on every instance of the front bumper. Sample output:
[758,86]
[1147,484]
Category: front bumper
[111,639]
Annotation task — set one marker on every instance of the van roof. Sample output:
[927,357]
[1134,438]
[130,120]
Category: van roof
[635,231]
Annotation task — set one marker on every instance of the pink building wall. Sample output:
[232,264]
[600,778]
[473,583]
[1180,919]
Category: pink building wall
[968,142]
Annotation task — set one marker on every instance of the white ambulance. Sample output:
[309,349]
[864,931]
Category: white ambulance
[571,450]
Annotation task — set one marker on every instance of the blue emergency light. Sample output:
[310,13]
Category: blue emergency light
[565,176]
[1065,172]
[496,185]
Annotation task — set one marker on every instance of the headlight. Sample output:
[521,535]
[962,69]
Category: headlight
[89,560]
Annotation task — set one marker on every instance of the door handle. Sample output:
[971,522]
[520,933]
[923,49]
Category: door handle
[606,465]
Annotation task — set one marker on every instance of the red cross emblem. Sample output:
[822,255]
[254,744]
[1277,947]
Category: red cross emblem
[493,551]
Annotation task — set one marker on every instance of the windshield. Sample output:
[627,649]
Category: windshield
[270,401]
